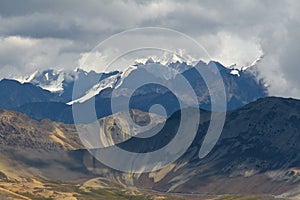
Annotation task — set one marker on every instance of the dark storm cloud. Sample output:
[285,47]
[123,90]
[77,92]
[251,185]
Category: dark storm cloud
[51,33]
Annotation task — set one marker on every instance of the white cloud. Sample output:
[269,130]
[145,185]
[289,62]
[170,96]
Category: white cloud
[230,49]
[35,35]
[19,55]
[93,61]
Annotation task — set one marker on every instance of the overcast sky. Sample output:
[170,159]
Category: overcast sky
[59,34]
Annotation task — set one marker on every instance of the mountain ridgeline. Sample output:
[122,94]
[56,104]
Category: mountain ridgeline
[48,94]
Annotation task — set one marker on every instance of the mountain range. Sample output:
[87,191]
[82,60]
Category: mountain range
[256,156]
[49,94]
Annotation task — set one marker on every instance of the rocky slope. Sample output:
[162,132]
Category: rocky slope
[257,153]
[43,160]
[19,131]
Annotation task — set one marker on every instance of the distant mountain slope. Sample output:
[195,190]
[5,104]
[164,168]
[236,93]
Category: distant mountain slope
[49,147]
[56,111]
[18,130]
[14,94]
[257,153]
[39,161]
[241,87]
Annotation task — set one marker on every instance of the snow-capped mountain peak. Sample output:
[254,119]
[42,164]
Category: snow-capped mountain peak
[51,80]
[26,79]
[96,89]
[167,58]
[93,83]
[149,61]
[245,67]
[62,81]
[125,74]
[254,63]
[175,58]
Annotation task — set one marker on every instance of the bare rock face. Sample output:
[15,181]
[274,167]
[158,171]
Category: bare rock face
[54,150]
[17,130]
[122,126]
[257,153]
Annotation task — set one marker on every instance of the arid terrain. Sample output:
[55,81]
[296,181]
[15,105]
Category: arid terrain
[46,160]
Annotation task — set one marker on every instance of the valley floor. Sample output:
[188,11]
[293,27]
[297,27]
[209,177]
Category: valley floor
[97,188]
